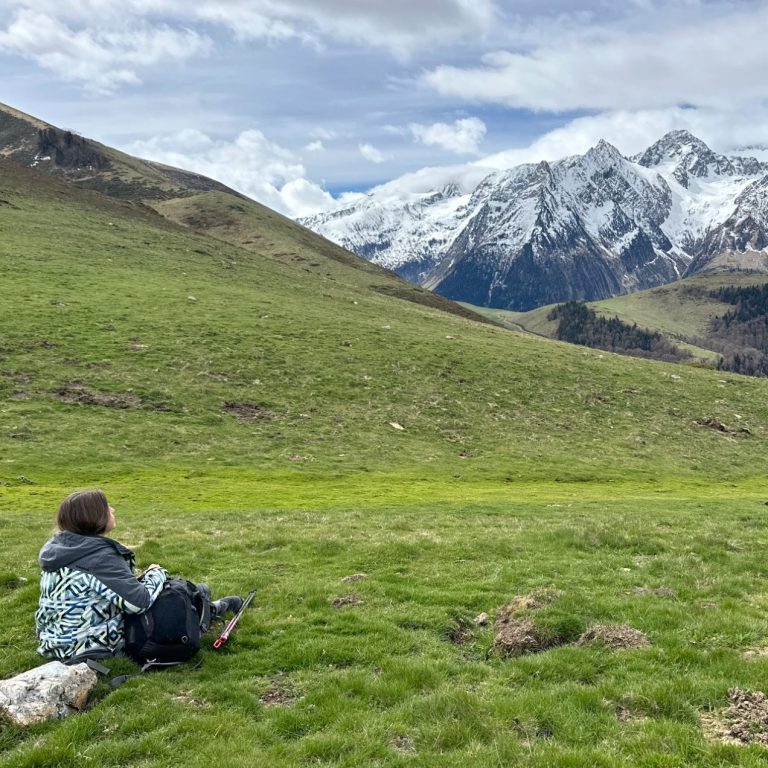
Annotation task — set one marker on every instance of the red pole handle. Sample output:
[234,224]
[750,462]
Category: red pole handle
[233,621]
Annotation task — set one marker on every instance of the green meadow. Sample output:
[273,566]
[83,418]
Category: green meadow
[270,417]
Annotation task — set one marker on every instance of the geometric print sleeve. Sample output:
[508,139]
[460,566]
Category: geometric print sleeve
[152,582]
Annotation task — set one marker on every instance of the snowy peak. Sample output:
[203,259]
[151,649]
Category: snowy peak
[678,148]
[684,156]
[604,153]
[584,227]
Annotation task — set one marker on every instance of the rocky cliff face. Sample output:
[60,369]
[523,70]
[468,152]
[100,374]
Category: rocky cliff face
[585,227]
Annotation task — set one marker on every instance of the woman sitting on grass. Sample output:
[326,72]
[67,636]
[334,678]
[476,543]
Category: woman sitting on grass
[88,583]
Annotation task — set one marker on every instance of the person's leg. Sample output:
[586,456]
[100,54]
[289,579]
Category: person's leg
[217,608]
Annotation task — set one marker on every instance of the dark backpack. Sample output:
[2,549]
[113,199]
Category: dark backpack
[169,631]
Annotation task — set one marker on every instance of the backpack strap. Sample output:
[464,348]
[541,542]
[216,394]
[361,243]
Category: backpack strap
[116,682]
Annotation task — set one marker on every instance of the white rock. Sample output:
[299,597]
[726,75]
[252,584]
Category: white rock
[52,690]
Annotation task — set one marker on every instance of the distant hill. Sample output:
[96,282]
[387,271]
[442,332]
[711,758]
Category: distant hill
[194,201]
[583,228]
[714,316]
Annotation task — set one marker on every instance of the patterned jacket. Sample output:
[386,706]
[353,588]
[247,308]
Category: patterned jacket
[86,585]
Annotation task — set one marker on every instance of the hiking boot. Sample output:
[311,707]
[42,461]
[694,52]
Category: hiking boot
[232,604]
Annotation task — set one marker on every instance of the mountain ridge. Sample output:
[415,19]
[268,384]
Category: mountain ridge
[584,227]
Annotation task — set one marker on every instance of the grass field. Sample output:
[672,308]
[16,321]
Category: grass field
[380,681]
[263,423]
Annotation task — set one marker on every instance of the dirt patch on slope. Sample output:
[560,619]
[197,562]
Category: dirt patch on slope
[718,426]
[515,633]
[657,591]
[279,693]
[459,632]
[78,392]
[519,636]
[354,577]
[344,601]
[744,721]
[403,744]
[615,636]
[250,411]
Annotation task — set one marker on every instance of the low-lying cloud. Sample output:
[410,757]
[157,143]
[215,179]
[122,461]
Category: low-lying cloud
[462,137]
[250,163]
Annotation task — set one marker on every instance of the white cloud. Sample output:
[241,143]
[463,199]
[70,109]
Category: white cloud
[401,26]
[105,44]
[466,177]
[251,164]
[101,59]
[462,136]
[370,153]
[324,134]
[314,146]
[710,57]
[394,130]
[634,131]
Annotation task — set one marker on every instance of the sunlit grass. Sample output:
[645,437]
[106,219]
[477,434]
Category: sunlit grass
[521,464]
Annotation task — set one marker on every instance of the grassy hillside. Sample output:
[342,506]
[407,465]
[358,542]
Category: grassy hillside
[174,327]
[681,311]
[271,414]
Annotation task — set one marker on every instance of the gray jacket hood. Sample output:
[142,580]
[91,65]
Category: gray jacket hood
[82,552]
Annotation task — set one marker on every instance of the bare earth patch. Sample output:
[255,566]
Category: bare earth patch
[249,411]
[343,601]
[615,636]
[756,653]
[744,721]
[277,697]
[658,591]
[403,744]
[459,632]
[186,697]
[718,426]
[355,577]
[519,636]
[279,692]
[80,393]
[625,712]
[515,632]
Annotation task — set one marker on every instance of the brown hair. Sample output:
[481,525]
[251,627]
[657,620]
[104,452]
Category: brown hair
[84,512]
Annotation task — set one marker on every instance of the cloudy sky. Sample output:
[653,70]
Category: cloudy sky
[296,102]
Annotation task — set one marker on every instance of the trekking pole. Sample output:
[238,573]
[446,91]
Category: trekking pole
[233,621]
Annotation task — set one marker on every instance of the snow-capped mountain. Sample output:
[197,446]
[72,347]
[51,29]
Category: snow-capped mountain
[585,227]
